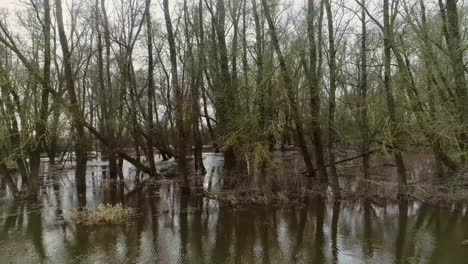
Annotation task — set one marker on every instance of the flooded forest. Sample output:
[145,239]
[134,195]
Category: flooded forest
[233,131]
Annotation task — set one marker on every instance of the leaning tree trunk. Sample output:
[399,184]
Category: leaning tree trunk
[287,82]
[428,54]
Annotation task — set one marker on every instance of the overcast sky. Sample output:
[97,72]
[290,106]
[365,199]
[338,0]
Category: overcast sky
[7,3]
[13,4]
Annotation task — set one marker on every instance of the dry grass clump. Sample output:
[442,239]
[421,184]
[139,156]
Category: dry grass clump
[246,198]
[103,214]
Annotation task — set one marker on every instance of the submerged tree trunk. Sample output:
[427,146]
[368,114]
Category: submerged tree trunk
[195,94]
[108,102]
[455,51]
[53,133]
[41,122]
[178,95]
[427,54]
[77,123]
[331,98]
[287,82]
[363,106]
[229,90]
[395,144]
[314,82]
[8,180]
[151,88]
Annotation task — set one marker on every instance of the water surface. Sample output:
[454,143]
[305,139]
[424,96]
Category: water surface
[176,228]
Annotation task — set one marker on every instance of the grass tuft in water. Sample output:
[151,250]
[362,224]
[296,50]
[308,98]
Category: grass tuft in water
[103,214]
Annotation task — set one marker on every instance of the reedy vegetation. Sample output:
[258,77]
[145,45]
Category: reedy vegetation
[250,75]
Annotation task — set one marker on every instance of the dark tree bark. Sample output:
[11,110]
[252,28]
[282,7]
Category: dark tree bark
[151,88]
[315,92]
[235,16]
[453,39]
[245,63]
[395,144]
[195,75]
[80,136]
[11,121]
[227,104]
[108,101]
[41,122]
[8,180]
[54,127]
[427,55]
[260,93]
[331,96]
[178,96]
[363,90]
[422,117]
[203,68]
[287,82]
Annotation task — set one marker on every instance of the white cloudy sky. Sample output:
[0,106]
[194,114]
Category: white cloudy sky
[14,4]
[7,3]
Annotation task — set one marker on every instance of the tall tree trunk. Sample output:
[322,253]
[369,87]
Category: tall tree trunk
[245,64]
[261,85]
[53,134]
[12,123]
[8,180]
[427,54]
[423,119]
[363,106]
[260,93]
[100,65]
[229,90]
[394,140]
[315,93]
[178,95]
[54,127]
[77,122]
[235,16]
[455,48]
[287,82]
[195,75]
[41,122]
[149,32]
[203,68]
[436,145]
[108,100]
[331,98]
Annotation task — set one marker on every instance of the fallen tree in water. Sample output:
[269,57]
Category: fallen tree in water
[349,159]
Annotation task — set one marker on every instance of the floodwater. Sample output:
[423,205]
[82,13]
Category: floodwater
[176,228]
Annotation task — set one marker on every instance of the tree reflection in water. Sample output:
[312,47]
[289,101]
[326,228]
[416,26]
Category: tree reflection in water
[176,228]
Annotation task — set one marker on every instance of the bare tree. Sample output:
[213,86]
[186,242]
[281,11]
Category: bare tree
[286,78]
[77,119]
[178,95]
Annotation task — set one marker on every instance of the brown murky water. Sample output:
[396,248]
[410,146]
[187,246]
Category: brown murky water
[175,228]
